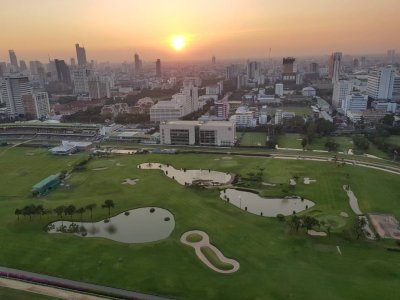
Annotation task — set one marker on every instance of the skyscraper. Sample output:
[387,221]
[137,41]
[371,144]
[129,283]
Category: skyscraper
[341,89]
[213,60]
[12,89]
[63,73]
[138,64]
[158,68]
[335,63]
[253,69]
[381,83]
[72,61]
[391,54]
[13,60]
[81,55]
[288,72]
[22,65]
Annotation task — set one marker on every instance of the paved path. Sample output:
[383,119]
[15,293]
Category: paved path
[205,242]
[57,282]
[45,290]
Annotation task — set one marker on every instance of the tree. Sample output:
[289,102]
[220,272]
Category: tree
[81,211]
[39,210]
[359,227]
[309,222]
[108,204]
[295,223]
[331,145]
[59,210]
[70,210]
[90,207]
[361,142]
[29,210]
[18,212]
[304,143]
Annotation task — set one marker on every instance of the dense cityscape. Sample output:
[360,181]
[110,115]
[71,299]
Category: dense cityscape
[214,150]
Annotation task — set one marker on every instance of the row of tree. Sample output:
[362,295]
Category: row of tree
[62,210]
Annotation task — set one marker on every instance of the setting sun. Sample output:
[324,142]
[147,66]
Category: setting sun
[178,42]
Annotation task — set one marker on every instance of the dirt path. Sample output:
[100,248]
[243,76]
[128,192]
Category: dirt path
[45,290]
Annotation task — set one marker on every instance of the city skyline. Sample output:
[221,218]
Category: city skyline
[114,32]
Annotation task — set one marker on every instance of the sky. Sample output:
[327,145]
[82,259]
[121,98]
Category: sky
[113,30]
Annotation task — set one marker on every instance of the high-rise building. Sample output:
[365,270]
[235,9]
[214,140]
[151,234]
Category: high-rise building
[81,55]
[381,83]
[63,73]
[34,67]
[355,101]
[232,72]
[13,60]
[80,77]
[289,73]
[3,69]
[391,54]
[335,63]
[222,109]
[213,60]
[36,105]
[253,69]
[138,64]
[12,89]
[279,89]
[158,68]
[22,66]
[72,62]
[341,89]
[99,87]
[314,67]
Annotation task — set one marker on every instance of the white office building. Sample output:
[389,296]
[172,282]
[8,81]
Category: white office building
[279,89]
[355,102]
[390,107]
[309,92]
[12,89]
[166,111]
[341,90]
[381,83]
[80,77]
[99,87]
[214,133]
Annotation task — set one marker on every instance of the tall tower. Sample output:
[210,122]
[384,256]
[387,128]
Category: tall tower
[335,63]
[63,72]
[214,60]
[13,60]
[81,55]
[158,68]
[138,64]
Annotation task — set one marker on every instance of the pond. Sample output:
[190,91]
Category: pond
[140,225]
[188,177]
[267,207]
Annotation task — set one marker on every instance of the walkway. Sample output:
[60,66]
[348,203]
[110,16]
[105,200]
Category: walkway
[72,285]
[45,290]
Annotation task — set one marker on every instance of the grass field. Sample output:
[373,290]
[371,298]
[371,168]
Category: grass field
[252,139]
[274,262]
[299,110]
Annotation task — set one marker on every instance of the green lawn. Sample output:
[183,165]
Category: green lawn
[299,110]
[394,139]
[274,262]
[252,139]
[10,294]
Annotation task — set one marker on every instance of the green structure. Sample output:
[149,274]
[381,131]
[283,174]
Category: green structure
[47,184]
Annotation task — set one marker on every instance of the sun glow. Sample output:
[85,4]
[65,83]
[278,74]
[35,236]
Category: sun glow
[178,42]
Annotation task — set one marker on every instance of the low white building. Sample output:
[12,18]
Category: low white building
[166,111]
[390,107]
[309,92]
[279,89]
[356,102]
[215,133]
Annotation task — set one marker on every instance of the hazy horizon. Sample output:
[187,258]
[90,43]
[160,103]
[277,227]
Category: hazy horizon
[114,31]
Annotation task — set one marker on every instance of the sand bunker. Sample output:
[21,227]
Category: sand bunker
[292,182]
[100,169]
[227,158]
[268,184]
[130,181]
[344,214]
[386,225]
[205,243]
[316,233]
[308,180]
[190,177]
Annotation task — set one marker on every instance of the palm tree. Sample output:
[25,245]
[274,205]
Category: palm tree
[70,210]
[39,210]
[47,212]
[81,211]
[59,210]
[29,210]
[18,212]
[108,204]
[90,207]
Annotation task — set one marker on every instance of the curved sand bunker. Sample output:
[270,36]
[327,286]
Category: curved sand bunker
[205,243]
[189,177]
[316,233]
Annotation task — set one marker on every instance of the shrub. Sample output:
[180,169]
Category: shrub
[166,219]
[280,217]
[127,213]
[152,209]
